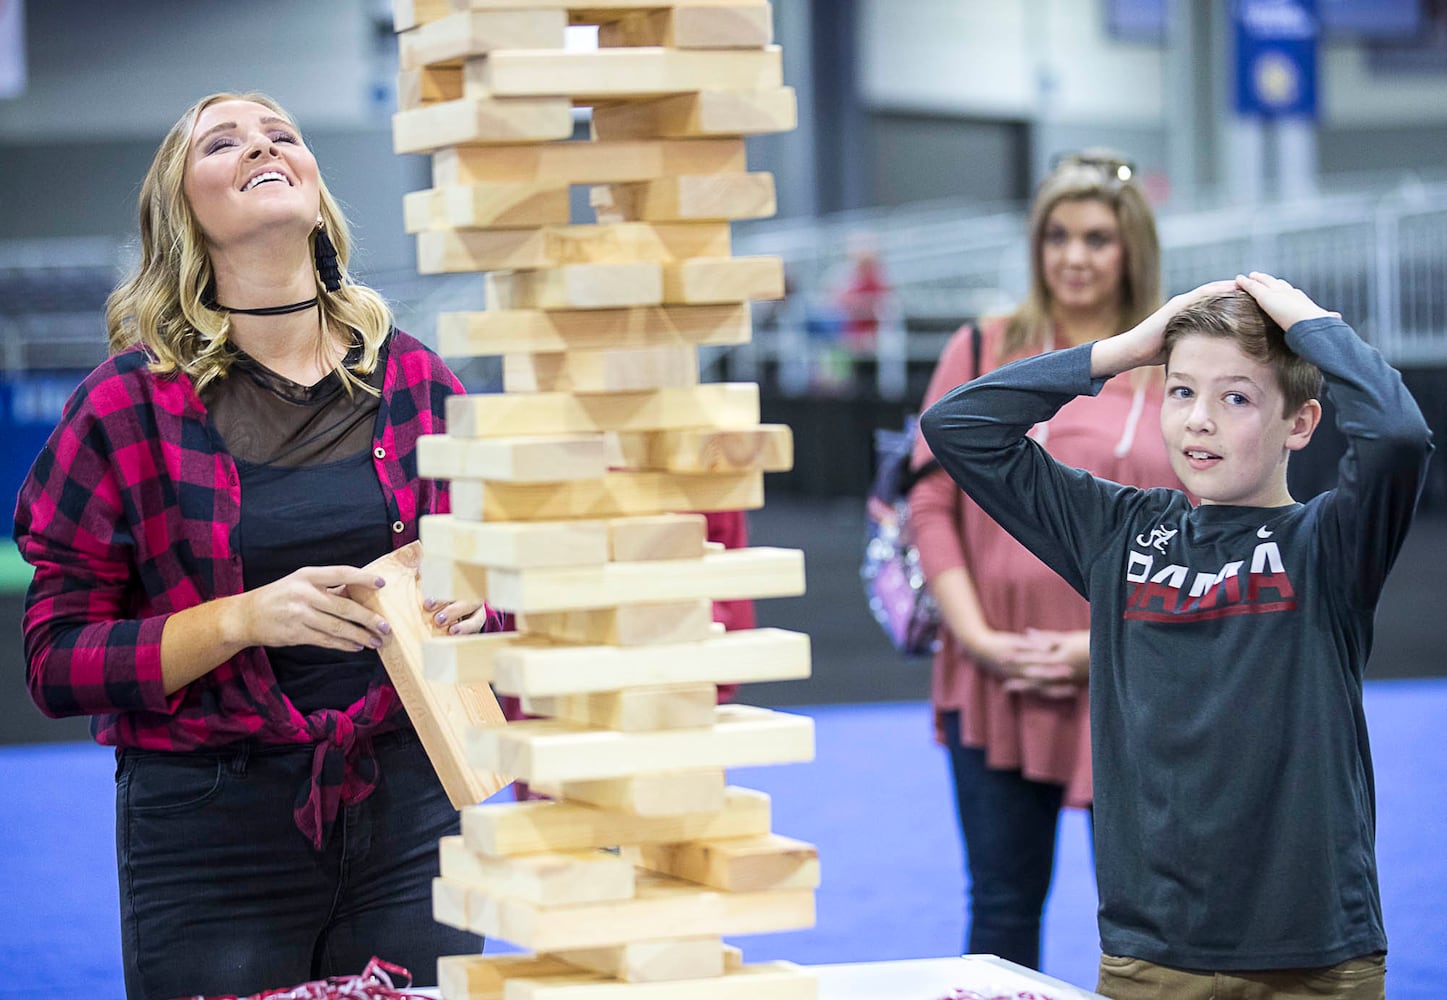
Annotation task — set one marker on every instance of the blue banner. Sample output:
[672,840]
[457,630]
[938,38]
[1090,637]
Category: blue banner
[1276,43]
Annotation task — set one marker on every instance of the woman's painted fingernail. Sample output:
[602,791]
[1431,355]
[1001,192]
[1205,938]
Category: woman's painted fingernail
[442,617]
[429,604]
[454,630]
[384,628]
[381,581]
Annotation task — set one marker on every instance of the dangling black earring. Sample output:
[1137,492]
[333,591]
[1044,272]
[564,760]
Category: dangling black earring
[326,257]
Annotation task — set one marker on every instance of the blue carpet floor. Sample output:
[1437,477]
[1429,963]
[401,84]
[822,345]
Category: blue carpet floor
[876,801]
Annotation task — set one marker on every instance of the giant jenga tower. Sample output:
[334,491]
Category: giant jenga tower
[576,495]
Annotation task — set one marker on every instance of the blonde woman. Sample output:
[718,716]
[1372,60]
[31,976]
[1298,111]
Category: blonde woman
[193,522]
[1009,677]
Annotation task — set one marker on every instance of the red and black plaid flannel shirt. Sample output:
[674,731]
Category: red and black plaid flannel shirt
[130,514]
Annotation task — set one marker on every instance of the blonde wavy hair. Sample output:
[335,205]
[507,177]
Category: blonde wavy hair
[1091,175]
[166,305]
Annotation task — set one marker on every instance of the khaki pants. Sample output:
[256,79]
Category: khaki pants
[1136,979]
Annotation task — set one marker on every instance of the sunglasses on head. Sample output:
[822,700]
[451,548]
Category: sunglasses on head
[1113,166]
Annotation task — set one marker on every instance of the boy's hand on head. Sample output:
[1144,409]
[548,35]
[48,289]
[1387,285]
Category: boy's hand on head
[1281,301]
[1143,344]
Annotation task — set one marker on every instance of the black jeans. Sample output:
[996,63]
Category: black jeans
[222,894]
[1008,824]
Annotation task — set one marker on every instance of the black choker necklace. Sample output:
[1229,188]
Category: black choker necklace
[295,307]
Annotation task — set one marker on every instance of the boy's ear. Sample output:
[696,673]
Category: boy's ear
[1303,425]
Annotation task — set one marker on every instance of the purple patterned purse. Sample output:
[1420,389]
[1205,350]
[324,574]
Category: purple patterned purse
[893,580]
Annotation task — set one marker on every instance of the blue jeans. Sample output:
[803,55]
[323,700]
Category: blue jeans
[1008,826]
[222,894]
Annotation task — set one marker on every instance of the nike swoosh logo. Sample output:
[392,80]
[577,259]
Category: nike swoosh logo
[1261,532]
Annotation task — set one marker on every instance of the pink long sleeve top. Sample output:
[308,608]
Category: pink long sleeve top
[1115,435]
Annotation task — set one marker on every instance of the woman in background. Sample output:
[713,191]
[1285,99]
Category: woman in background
[195,521]
[1010,674]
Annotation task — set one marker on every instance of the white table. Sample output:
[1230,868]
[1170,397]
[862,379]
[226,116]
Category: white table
[933,979]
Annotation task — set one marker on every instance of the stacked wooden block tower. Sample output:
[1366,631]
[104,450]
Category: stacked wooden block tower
[577,493]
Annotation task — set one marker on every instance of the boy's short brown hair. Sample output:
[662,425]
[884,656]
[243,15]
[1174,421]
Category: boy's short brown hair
[1237,316]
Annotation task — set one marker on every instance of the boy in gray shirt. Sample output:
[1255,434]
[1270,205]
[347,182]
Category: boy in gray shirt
[1234,801]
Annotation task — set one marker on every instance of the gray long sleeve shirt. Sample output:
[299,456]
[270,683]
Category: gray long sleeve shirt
[1234,801]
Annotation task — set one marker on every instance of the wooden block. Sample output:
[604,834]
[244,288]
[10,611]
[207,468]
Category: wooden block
[451,902]
[440,712]
[718,404]
[550,879]
[508,828]
[727,26]
[665,793]
[616,494]
[473,122]
[577,286]
[724,279]
[636,710]
[663,907]
[462,658]
[764,981]
[527,666]
[588,77]
[410,13]
[741,864]
[533,459]
[427,87]
[769,447]
[536,331]
[587,11]
[552,750]
[660,536]
[696,197]
[653,961]
[628,625]
[560,164]
[622,370]
[449,40]
[501,205]
[450,251]
[515,546]
[755,572]
[475,977]
[707,113]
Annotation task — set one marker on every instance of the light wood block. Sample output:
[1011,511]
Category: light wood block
[454,659]
[719,404]
[764,981]
[664,793]
[533,459]
[740,864]
[622,370]
[769,447]
[653,961]
[693,198]
[439,711]
[707,113]
[552,750]
[663,907]
[473,122]
[732,26]
[628,625]
[501,205]
[449,251]
[755,572]
[659,536]
[528,666]
[724,279]
[516,546]
[577,286]
[509,828]
[636,710]
[549,879]
[410,13]
[449,40]
[483,977]
[536,331]
[428,86]
[582,10]
[588,77]
[617,494]
[560,164]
